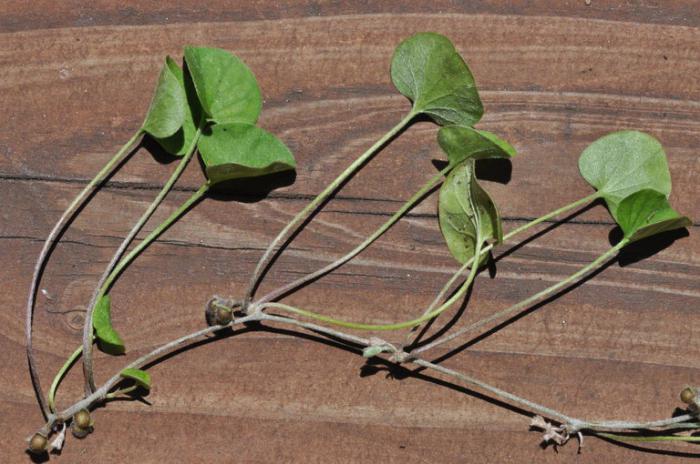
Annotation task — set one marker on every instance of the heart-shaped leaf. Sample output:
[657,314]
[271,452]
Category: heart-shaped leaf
[108,338]
[464,208]
[428,70]
[646,213]
[621,163]
[167,111]
[461,142]
[226,87]
[142,378]
[178,143]
[232,151]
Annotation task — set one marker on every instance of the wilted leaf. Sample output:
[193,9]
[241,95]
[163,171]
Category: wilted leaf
[178,143]
[142,378]
[167,111]
[464,208]
[108,338]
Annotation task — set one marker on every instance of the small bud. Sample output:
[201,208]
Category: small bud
[37,444]
[217,313]
[82,419]
[79,432]
[688,395]
[82,424]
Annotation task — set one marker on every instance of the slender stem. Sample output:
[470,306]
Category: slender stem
[273,295]
[507,236]
[121,391]
[552,214]
[130,257]
[444,290]
[657,438]
[530,300]
[394,326]
[316,328]
[464,378]
[44,255]
[511,398]
[572,424]
[101,393]
[59,376]
[623,425]
[294,224]
[110,273]
[155,233]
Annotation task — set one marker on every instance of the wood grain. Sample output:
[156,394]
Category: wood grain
[553,76]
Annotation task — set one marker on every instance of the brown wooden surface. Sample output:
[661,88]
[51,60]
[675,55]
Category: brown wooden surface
[554,75]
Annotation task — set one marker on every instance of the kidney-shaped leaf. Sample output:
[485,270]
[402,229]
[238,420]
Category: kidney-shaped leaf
[461,142]
[108,338]
[465,208]
[621,163]
[232,151]
[646,213]
[142,378]
[167,111]
[428,70]
[181,141]
[226,87]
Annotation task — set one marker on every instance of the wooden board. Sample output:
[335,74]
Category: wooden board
[554,76]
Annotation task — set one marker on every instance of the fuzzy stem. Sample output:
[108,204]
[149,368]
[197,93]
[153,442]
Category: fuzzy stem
[625,425]
[155,233]
[445,288]
[101,393]
[44,255]
[296,222]
[394,326]
[275,294]
[651,439]
[509,397]
[530,300]
[59,376]
[572,424]
[130,257]
[553,214]
[114,268]
[507,236]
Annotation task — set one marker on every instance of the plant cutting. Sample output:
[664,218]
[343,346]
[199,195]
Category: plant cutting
[428,70]
[627,169]
[231,147]
[164,119]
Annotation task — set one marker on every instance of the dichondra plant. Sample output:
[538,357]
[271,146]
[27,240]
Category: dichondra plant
[211,105]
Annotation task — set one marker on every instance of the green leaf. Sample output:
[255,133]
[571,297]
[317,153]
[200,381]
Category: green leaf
[142,378]
[178,143]
[621,163]
[464,208]
[460,143]
[167,111]
[232,151]
[226,87]
[428,70]
[109,340]
[646,213]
